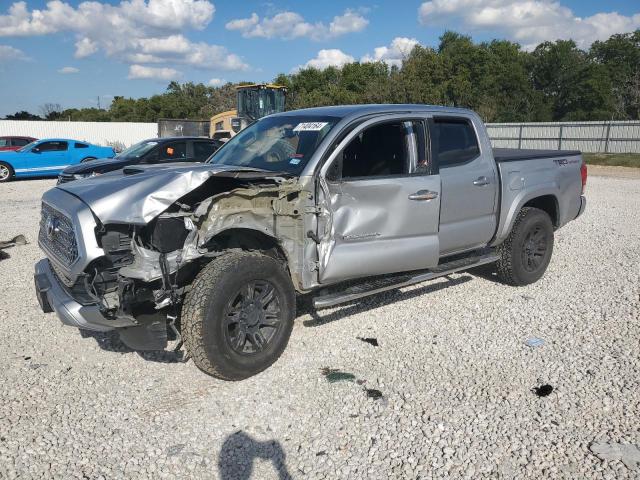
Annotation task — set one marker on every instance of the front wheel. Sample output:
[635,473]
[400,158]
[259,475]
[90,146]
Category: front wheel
[6,172]
[238,316]
[526,253]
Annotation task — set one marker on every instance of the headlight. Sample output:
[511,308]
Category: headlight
[80,176]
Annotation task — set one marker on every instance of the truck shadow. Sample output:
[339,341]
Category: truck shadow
[239,451]
[487,272]
[110,342]
[305,303]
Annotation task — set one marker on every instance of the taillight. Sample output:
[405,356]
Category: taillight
[583,174]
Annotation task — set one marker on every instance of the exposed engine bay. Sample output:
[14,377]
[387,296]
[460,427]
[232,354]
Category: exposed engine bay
[147,268]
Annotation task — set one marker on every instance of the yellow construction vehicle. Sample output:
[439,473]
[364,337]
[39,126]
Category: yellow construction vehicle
[252,102]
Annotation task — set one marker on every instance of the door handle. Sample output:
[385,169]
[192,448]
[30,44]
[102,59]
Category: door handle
[480,181]
[423,195]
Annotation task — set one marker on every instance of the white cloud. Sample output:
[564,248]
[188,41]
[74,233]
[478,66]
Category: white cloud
[529,22]
[85,47]
[8,52]
[327,58]
[216,82]
[68,70]
[290,25]
[143,72]
[132,31]
[128,15]
[394,54]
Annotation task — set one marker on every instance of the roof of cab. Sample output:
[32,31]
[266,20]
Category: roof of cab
[343,111]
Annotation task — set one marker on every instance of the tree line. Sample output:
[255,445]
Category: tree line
[557,81]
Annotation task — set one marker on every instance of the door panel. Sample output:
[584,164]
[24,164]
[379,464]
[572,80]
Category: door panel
[377,215]
[469,184]
[51,160]
[467,218]
[374,228]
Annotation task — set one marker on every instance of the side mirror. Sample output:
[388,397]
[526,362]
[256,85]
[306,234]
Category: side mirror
[35,150]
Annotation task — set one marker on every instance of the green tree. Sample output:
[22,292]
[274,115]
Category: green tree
[22,115]
[620,55]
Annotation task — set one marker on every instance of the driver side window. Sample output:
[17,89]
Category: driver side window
[169,152]
[383,150]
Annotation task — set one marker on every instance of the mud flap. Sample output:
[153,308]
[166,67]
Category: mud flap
[150,335]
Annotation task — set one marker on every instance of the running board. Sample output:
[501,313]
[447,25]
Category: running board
[399,281]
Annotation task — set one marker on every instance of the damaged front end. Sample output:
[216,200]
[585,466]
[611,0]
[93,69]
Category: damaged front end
[147,255]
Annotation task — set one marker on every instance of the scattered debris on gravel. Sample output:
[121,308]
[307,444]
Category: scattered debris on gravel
[370,341]
[627,454]
[455,376]
[534,342]
[334,375]
[17,240]
[543,390]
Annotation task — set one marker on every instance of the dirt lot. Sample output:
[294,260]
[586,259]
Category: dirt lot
[456,376]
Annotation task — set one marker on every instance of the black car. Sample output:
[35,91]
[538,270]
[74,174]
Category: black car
[155,150]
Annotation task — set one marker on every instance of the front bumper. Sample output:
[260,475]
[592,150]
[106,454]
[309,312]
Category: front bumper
[53,298]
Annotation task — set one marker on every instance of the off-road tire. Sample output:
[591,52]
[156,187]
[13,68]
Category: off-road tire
[9,169]
[511,266]
[203,326]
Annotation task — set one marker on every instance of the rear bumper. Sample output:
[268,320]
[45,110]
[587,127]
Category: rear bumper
[53,298]
[583,205]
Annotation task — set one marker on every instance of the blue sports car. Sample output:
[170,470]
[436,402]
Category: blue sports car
[47,158]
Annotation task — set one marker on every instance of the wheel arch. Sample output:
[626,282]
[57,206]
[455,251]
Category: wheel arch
[545,197]
[253,239]
[548,204]
[12,170]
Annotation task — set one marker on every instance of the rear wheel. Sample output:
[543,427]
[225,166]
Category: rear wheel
[6,172]
[238,316]
[526,253]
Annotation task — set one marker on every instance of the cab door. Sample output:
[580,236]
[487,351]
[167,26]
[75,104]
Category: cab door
[49,157]
[379,201]
[468,218]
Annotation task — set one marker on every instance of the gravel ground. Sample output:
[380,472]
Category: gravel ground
[455,375]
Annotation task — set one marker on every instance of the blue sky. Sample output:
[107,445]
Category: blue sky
[73,52]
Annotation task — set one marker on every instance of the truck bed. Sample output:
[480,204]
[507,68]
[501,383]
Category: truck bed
[515,154]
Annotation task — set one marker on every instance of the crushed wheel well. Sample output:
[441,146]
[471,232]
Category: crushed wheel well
[548,204]
[247,239]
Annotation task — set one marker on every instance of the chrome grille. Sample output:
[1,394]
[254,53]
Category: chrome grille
[57,236]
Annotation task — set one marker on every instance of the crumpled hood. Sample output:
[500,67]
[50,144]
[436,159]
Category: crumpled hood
[137,198]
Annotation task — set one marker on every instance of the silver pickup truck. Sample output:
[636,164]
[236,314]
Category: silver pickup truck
[343,202]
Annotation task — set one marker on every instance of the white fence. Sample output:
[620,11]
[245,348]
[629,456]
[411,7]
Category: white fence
[592,137]
[101,133]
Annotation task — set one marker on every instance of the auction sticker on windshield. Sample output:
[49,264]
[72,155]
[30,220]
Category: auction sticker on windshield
[310,126]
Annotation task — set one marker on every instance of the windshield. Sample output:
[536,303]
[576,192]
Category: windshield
[137,150]
[27,147]
[279,143]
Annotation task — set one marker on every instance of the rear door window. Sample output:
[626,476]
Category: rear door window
[453,141]
[81,145]
[20,142]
